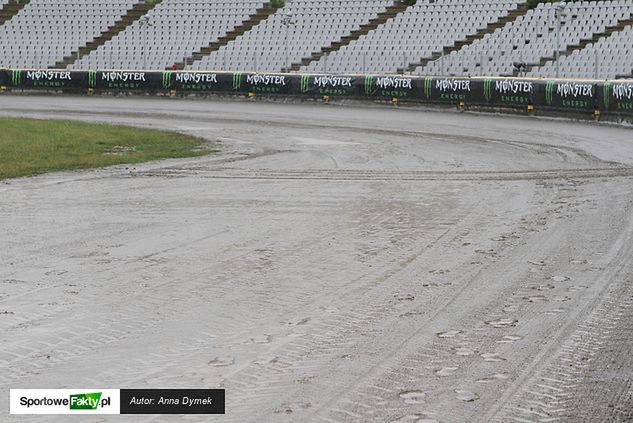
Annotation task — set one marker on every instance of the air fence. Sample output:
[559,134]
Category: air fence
[576,96]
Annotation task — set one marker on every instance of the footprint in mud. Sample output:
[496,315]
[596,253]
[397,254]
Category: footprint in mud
[510,308]
[412,397]
[446,371]
[561,299]
[414,418]
[289,408]
[466,396]
[404,297]
[559,279]
[557,311]
[536,299]
[464,351]
[449,334]
[509,339]
[492,357]
[494,378]
[298,322]
[264,339]
[542,287]
[221,362]
[577,288]
[503,323]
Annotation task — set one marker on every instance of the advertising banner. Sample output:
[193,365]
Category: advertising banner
[502,92]
[46,79]
[559,95]
[326,85]
[615,96]
[566,95]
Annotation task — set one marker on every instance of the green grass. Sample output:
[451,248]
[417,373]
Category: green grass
[29,146]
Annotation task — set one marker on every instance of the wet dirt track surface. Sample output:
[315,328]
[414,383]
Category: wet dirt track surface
[329,264]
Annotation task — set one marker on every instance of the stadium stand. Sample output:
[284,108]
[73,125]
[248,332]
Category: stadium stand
[431,37]
[311,25]
[419,34]
[46,31]
[590,62]
[9,8]
[173,30]
[532,40]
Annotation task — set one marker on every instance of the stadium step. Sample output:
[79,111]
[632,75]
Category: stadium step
[389,13]
[11,9]
[569,49]
[521,10]
[253,20]
[132,15]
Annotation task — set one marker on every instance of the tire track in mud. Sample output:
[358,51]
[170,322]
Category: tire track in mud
[562,381]
[450,367]
[329,341]
[360,175]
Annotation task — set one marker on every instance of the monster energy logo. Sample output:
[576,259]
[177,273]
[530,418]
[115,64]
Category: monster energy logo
[549,92]
[166,80]
[16,77]
[305,79]
[606,94]
[237,80]
[92,78]
[369,81]
[428,86]
[488,89]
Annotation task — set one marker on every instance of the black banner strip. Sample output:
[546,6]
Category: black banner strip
[172,401]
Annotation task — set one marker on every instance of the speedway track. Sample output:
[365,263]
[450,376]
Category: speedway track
[330,264]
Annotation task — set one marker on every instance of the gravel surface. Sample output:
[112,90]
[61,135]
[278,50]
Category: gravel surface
[330,264]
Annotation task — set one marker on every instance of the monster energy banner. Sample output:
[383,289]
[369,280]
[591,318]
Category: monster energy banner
[616,97]
[262,83]
[44,79]
[504,92]
[326,85]
[612,96]
[449,90]
[125,80]
[390,87]
[566,95]
[198,81]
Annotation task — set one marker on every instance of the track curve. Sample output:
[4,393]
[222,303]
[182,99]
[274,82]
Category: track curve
[336,264]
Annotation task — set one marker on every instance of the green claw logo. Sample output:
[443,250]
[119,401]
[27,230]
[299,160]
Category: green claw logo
[488,89]
[92,78]
[369,82]
[237,80]
[428,85]
[607,94]
[305,79]
[16,77]
[549,92]
[167,79]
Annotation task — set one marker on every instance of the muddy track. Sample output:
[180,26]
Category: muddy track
[330,265]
